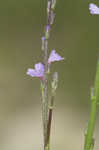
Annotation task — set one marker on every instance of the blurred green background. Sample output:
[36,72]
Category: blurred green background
[75,35]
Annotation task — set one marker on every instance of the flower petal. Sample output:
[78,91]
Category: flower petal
[39,68]
[94,9]
[31,72]
[54,57]
[38,71]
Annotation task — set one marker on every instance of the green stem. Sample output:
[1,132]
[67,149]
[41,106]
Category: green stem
[91,125]
[89,140]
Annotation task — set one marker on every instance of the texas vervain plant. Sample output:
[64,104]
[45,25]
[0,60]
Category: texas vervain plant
[42,70]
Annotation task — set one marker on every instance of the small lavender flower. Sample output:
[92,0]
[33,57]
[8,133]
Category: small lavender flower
[54,57]
[52,17]
[38,70]
[43,42]
[94,9]
[47,31]
[43,38]
[47,28]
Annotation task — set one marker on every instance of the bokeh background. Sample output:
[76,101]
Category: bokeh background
[75,35]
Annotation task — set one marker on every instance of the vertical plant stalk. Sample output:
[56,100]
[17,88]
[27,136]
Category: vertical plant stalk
[42,71]
[44,112]
[44,84]
[53,92]
[91,125]
[49,122]
[89,140]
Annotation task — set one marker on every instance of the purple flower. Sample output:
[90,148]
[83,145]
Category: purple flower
[47,28]
[94,9]
[43,38]
[54,57]
[38,71]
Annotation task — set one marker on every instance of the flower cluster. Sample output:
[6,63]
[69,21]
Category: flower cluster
[94,9]
[38,70]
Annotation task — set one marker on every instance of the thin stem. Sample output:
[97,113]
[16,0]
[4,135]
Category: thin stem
[45,102]
[49,121]
[53,92]
[49,12]
[45,82]
[89,140]
[44,113]
[91,125]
